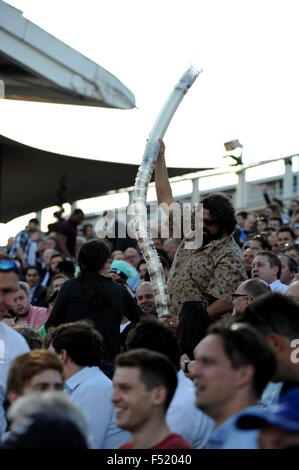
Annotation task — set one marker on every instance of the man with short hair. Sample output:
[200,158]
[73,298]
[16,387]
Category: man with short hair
[170,247]
[57,281]
[233,365]
[26,313]
[247,259]
[275,223]
[37,370]
[274,242]
[289,268]
[145,298]
[11,343]
[182,416]
[38,293]
[21,242]
[267,267]
[247,291]
[132,256]
[286,235]
[276,317]
[209,273]
[144,383]
[67,234]
[46,273]
[80,347]
[293,290]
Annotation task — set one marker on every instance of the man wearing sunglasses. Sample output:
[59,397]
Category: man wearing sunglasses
[11,343]
[247,292]
[213,270]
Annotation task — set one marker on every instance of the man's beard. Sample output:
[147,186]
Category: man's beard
[209,237]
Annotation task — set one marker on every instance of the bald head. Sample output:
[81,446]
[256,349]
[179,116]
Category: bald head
[247,292]
[145,298]
[293,291]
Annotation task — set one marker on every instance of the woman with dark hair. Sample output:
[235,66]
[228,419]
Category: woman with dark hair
[95,297]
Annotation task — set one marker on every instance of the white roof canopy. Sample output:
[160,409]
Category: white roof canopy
[36,66]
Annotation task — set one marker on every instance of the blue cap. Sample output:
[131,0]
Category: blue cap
[123,267]
[283,415]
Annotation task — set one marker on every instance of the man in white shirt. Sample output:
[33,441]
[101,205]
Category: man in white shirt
[11,343]
[267,267]
[79,347]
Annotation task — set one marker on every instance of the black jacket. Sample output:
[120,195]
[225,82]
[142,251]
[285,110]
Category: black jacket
[72,305]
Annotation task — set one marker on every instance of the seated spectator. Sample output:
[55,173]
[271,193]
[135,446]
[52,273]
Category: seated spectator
[182,417]
[274,242]
[46,273]
[144,384]
[289,269]
[145,298]
[31,336]
[247,257]
[260,242]
[267,267]
[275,223]
[247,292]
[117,254]
[57,281]
[276,317]
[293,291]
[52,403]
[278,425]
[233,366]
[293,252]
[25,313]
[67,268]
[51,243]
[170,247]
[46,431]
[262,223]
[38,293]
[80,347]
[88,232]
[286,235]
[142,269]
[37,370]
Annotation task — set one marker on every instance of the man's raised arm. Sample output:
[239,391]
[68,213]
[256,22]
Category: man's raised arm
[163,189]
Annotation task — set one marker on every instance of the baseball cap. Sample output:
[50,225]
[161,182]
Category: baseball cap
[283,415]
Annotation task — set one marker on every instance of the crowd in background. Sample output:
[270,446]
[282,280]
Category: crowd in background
[61,284]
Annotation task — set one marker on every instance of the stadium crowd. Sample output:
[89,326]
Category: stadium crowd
[84,352]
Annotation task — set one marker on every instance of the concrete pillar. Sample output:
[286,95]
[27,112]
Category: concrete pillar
[241,191]
[195,191]
[38,215]
[288,180]
[74,206]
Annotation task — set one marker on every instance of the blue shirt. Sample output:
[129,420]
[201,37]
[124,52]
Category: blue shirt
[228,436]
[91,390]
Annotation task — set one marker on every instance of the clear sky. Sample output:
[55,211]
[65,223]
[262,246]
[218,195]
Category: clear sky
[248,90]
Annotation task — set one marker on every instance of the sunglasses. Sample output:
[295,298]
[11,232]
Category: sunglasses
[8,265]
[235,296]
[210,222]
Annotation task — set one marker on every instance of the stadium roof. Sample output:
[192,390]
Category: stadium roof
[35,66]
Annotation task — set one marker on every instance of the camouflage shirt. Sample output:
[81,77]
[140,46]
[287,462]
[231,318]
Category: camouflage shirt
[212,272]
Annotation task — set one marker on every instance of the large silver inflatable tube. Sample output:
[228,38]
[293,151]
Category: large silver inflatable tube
[143,178]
